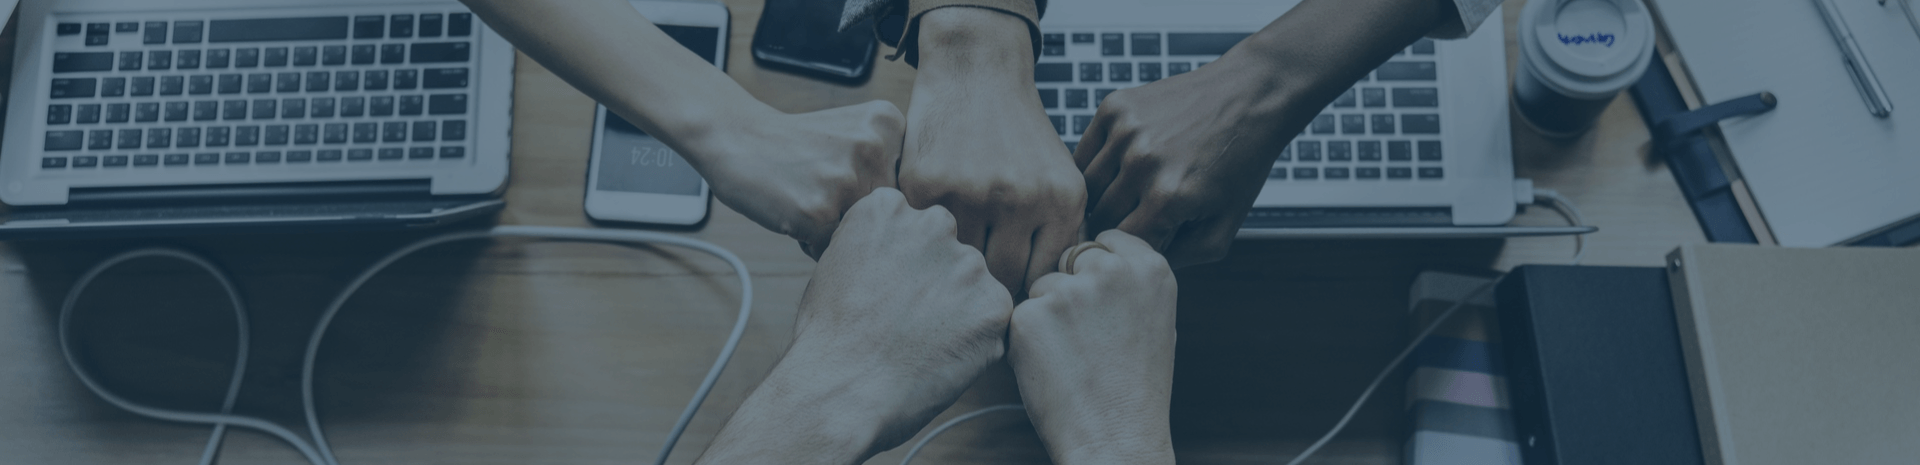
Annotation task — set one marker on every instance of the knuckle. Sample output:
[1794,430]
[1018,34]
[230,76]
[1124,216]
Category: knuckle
[1067,182]
[880,143]
[1142,155]
[869,147]
[969,267]
[972,268]
[1161,194]
[887,117]
[1096,264]
[1146,148]
[1191,190]
[1132,121]
[941,221]
[1120,101]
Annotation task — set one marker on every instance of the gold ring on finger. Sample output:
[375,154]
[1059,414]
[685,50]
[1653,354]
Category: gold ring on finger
[1072,255]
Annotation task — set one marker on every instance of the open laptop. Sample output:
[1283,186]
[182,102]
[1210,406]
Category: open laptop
[1418,148]
[141,117]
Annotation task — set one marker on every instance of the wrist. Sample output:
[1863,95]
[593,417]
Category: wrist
[1146,452]
[808,412]
[711,135]
[1099,421]
[1110,436]
[1136,444]
[969,45]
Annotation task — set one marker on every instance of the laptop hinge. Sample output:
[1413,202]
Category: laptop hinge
[1347,217]
[250,193]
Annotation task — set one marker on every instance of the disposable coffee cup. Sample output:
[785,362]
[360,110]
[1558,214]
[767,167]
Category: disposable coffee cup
[1575,57]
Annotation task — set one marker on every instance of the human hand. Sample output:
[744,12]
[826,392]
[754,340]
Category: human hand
[1179,162]
[1093,354]
[796,174]
[898,320]
[979,143]
[901,303]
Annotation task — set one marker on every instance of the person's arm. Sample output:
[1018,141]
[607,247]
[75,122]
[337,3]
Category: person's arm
[794,174]
[979,143]
[614,54]
[1178,162]
[806,411]
[898,320]
[1093,354]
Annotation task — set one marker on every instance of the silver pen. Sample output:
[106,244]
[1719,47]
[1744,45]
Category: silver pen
[1856,61]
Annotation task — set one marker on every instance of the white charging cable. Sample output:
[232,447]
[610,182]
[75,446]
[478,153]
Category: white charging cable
[1560,203]
[218,420]
[1422,337]
[1547,197]
[318,452]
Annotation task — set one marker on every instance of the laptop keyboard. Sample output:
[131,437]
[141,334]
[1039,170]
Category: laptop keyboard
[1385,128]
[187,93]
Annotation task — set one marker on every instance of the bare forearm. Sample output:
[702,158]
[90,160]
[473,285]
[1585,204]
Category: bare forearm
[1321,47]
[810,410]
[614,54]
[785,424]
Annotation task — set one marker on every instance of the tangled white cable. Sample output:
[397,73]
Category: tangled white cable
[317,451]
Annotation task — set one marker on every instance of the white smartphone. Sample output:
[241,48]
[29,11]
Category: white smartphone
[633,176]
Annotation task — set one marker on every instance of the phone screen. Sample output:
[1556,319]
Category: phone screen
[631,160]
[806,33]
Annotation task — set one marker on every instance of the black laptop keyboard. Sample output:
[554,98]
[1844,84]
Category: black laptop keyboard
[179,94]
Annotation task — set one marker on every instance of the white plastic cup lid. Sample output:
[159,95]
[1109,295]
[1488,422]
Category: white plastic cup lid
[1587,47]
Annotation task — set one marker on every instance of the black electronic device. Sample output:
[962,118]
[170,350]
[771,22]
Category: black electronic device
[804,36]
[1595,371]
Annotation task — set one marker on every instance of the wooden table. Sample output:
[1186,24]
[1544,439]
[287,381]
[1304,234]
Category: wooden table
[532,352]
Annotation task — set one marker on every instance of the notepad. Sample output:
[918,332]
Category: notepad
[1820,168]
[1799,356]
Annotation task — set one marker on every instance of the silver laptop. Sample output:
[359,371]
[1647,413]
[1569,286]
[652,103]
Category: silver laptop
[136,116]
[1418,148]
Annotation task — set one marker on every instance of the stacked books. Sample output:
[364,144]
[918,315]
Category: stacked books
[1456,390]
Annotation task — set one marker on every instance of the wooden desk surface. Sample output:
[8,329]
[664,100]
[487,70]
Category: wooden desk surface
[533,352]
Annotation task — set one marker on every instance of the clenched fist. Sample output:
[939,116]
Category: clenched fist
[979,143]
[796,174]
[1093,353]
[899,319]
[898,302]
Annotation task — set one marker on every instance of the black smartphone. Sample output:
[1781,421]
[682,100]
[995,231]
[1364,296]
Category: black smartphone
[803,36]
